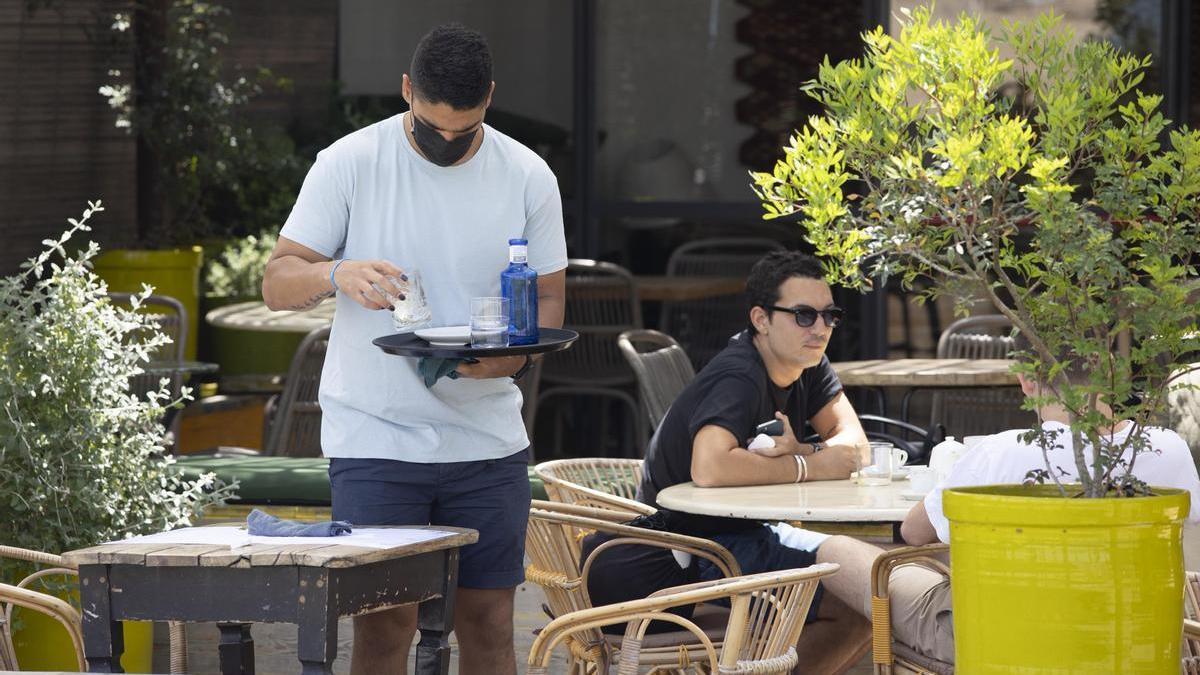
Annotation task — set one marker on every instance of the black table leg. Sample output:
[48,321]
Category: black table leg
[103,638]
[316,637]
[436,619]
[236,649]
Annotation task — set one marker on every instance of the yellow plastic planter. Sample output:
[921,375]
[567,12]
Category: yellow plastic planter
[1043,584]
[42,644]
[174,272]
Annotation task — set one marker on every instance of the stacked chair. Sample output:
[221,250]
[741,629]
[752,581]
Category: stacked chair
[603,304]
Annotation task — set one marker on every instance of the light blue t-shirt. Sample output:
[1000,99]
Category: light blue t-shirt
[370,196]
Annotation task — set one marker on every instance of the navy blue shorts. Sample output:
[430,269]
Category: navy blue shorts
[491,496]
[758,549]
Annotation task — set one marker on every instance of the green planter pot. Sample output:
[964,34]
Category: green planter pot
[246,352]
[1045,584]
[174,272]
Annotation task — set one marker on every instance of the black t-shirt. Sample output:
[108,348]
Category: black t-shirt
[735,393]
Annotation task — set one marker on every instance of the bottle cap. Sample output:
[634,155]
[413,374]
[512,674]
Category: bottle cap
[518,242]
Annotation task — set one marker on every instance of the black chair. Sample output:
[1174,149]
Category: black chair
[914,440]
[662,367]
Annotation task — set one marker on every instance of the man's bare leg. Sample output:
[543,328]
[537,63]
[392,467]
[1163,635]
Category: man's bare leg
[382,641]
[483,621]
[852,583]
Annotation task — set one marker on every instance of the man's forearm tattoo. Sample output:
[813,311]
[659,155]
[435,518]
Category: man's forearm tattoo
[311,302]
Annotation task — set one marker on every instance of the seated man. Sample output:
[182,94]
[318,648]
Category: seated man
[775,369]
[919,596]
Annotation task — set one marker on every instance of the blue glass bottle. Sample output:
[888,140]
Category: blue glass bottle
[518,283]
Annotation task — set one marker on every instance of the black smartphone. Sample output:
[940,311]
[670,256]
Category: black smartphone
[772,428]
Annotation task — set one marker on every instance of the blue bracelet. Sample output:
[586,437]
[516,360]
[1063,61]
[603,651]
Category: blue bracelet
[333,271]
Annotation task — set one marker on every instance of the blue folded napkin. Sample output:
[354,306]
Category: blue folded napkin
[433,369]
[266,525]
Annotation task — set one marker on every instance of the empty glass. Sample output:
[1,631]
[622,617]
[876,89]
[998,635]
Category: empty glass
[489,322]
[412,311]
[880,471]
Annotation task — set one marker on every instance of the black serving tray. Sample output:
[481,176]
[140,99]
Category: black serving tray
[408,344]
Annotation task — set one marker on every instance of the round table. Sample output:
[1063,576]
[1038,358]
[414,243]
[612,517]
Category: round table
[256,316]
[828,501]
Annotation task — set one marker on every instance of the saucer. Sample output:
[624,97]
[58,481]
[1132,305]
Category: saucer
[446,336]
[900,474]
[913,496]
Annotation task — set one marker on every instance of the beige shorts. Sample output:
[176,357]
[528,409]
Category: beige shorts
[921,611]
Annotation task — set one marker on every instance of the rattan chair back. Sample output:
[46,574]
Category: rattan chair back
[294,428]
[553,543]
[662,368]
[597,482]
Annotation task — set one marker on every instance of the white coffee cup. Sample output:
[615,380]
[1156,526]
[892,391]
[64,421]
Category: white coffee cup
[921,479]
[899,459]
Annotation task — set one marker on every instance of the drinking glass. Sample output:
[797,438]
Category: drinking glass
[880,471]
[489,322]
[412,311]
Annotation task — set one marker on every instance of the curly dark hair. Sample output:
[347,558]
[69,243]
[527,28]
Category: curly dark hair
[769,273]
[452,64]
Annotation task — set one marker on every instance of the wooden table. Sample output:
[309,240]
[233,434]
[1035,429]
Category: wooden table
[255,315]
[311,585]
[826,502]
[677,288]
[913,374]
[926,373]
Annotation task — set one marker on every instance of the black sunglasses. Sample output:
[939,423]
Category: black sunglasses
[807,316]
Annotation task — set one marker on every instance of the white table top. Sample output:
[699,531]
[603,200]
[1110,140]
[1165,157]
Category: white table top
[255,315]
[822,501]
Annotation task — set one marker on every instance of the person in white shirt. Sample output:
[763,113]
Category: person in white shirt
[434,190]
[920,597]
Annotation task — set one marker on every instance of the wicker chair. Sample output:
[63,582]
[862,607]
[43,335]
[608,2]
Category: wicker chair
[892,657]
[662,367]
[293,418]
[598,482]
[765,621]
[705,326]
[603,304]
[553,544]
[985,411]
[21,595]
[1191,629]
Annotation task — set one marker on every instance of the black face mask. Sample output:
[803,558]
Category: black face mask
[435,147]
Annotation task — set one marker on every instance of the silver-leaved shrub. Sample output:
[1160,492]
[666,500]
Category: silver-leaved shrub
[81,458]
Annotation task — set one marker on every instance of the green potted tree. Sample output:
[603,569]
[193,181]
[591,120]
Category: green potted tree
[1050,185]
[204,171]
[82,459]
